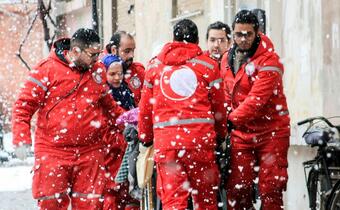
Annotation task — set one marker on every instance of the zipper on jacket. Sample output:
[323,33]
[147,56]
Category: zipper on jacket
[66,95]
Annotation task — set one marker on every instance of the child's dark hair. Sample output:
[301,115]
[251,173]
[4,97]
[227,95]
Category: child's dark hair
[185,30]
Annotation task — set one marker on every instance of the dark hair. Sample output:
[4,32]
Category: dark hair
[246,17]
[218,25]
[84,37]
[115,40]
[185,30]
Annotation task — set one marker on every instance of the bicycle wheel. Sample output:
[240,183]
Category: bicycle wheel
[315,186]
[334,203]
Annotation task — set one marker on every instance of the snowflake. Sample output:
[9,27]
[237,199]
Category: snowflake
[63,130]
[95,124]
[181,153]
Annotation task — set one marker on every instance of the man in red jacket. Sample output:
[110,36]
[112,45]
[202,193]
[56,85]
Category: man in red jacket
[182,114]
[259,115]
[218,40]
[123,45]
[69,91]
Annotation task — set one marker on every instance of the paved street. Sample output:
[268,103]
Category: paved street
[15,184]
[21,200]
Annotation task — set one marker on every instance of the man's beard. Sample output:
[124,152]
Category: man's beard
[253,46]
[242,50]
[127,64]
[81,67]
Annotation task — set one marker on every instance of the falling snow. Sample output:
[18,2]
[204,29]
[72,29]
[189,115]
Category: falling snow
[305,79]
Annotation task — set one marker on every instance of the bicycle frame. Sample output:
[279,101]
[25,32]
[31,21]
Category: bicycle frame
[320,160]
[324,169]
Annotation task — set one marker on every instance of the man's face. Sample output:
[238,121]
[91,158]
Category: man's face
[244,35]
[87,57]
[217,42]
[126,49]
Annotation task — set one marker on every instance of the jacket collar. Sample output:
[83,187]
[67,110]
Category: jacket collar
[177,53]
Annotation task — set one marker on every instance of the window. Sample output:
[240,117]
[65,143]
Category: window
[184,7]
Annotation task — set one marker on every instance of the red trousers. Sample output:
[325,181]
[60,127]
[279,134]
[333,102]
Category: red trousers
[184,173]
[77,178]
[266,158]
[119,198]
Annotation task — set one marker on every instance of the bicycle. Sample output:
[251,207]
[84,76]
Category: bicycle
[323,181]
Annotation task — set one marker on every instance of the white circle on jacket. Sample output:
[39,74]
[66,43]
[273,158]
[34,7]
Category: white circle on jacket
[178,84]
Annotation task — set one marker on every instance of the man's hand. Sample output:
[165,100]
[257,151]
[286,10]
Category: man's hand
[22,151]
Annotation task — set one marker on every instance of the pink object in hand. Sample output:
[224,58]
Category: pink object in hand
[130,117]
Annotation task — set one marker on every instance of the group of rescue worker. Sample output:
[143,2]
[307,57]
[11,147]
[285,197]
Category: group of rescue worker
[189,103]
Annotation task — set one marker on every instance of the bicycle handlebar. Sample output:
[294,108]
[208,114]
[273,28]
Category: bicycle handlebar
[304,121]
[315,118]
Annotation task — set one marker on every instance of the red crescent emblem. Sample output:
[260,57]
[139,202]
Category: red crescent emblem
[178,83]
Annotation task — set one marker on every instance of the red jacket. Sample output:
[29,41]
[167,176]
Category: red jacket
[182,100]
[135,80]
[255,95]
[71,106]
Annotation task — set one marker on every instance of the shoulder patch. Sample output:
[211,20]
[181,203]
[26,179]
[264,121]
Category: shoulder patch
[135,82]
[97,75]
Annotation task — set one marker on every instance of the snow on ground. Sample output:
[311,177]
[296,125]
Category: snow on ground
[15,185]
[15,180]
[15,174]
[21,200]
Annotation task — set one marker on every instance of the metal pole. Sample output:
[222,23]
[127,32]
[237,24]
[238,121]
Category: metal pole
[95,16]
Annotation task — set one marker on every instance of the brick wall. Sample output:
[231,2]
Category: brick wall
[14,22]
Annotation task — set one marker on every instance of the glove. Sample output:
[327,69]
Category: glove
[22,151]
